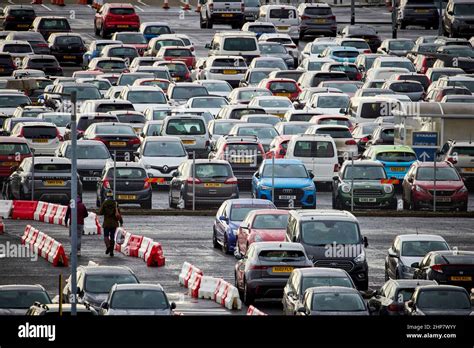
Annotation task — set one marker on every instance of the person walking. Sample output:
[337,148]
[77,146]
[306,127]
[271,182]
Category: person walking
[112,219]
[82,213]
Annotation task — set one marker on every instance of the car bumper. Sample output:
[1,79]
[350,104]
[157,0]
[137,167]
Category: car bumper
[140,196]
[68,57]
[315,29]
[425,200]
[308,199]
[417,18]
[267,288]
[368,202]
[463,28]
[221,18]
[215,199]
[120,27]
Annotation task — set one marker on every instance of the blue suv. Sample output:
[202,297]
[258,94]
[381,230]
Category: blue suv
[294,186]
[229,217]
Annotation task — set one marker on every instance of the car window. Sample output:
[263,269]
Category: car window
[260,132]
[188,92]
[364,173]
[15,299]
[238,212]
[270,221]
[9,149]
[60,120]
[281,255]
[53,167]
[403,295]
[396,157]
[114,129]
[442,174]
[186,127]
[101,283]
[122,11]
[241,44]
[89,152]
[335,133]
[283,13]
[139,299]
[328,232]
[127,173]
[42,132]
[443,299]
[58,24]
[146,97]
[212,171]
[285,171]
[337,302]
[318,149]
[12,101]
[310,282]
[157,30]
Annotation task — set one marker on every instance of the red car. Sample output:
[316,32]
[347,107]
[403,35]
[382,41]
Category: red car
[267,225]
[177,53]
[278,147]
[12,151]
[338,120]
[282,87]
[115,17]
[418,187]
[178,70]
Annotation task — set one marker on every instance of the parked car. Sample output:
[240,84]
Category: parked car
[46,25]
[316,18]
[396,159]
[43,137]
[439,300]
[16,299]
[115,17]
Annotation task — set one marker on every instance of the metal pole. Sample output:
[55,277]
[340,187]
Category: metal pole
[352,12]
[434,182]
[273,178]
[60,295]
[352,184]
[440,23]
[115,167]
[394,19]
[194,180]
[32,174]
[73,206]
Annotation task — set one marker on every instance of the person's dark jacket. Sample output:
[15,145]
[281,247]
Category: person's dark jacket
[82,213]
[108,211]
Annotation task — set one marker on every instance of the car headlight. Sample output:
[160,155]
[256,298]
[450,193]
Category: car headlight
[388,188]
[258,238]
[463,189]
[263,187]
[310,187]
[346,188]
[420,189]
[360,258]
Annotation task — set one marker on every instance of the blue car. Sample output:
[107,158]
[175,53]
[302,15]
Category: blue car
[95,48]
[294,186]
[397,159]
[341,54]
[229,217]
[154,29]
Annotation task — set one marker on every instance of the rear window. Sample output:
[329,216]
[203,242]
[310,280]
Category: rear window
[239,211]
[208,103]
[376,109]
[405,87]
[318,11]
[83,93]
[160,114]
[270,221]
[128,38]
[106,64]
[333,101]
[85,122]
[229,62]
[146,97]
[114,129]
[344,68]
[186,127]
[22,12]
[241,44]
[69,40]
[257,76]
[89,152]
[59,120]
[188,92]
[53,167]
[356,44]
[396,157]
[157,30]
[165,43]
[281,255]
[213,171]
[153,129]
[463,151]
[335,132]
[318,149]
[265,29]
[45,61]
[131,118]
[237,114]
[5,60]
[58,24]
[247,149]
[443,299]
[122,11]
[114,107]
[17,48]
[283,13]
[311,282]
[178,53]
[22,298]
[39,132]
[128,173]
[123,51]
[293,75]
[8,149]
[283,87]
[345,54]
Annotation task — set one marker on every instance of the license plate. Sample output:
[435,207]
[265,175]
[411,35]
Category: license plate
[189,142]
[9,164]
[282,269]
[227,15]
[443,199]
[421,11]
[319,21]
[397,169]
[118,143]
[2,69]
[230,72]
[54,183]
[468,170]
[90,178]
[23,25]
[461,279]
[127,197]
[282,28]
[177,78]
[69,57]
[40,141]
[211,184]
[122,26]
[283,95]
[242,160]
[367,200]
[286,197]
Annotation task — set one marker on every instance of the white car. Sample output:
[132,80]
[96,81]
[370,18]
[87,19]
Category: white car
[212,104]
[143,97]
[224,68]
[161,156]
[43,137]
[328,103]
[315,48]
[11,99]
[360,44]
[387,61]
[285,18]
[342,137]
[283,39]
[273,105]
[216,87]
[60,119]
[314,63]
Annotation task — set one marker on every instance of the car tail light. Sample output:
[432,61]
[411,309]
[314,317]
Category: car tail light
[42,45]
[351,142]
[211,7]
[358,76]
[9,18]
[437,268]
[147,184]
[231,181]
[187,76]
[291,46]
[106,183]
[134,141]
[59,136]
[196,181]
[364,140]
[336,168]
[367,51]
[452,160]
[305,17]
[258,267]
[332,17]
[395,307]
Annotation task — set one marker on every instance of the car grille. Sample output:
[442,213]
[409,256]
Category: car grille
[442,193]
[289,192]
[367,192]
[164,169]
[469,22]
[345,265]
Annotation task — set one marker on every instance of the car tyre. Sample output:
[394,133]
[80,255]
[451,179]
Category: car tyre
[403,25]
[249,298]
[215,243]
[146,205]
[97,202]
[225,246]
[463,207]
[364,285]
[202,24]
[170,201]
[103,33]
[96,31]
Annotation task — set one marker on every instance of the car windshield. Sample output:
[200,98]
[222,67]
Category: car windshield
[127,173]
[208,103]
[139,299]
[283,13]
[186,127]
[420,248]
[285,171]
[240,211]
[406,87]
[338,302]
[101,283]
[8,149]
[157,30]
[83,93]
[248,95]
[463,9]
[318,149]
[396,156]
[293,129]
[401,45]
[153,129]
[19,299]
[60,120]
[264,29]
[217,87]
[321,233]
[345,54]
[272,49]
[285,87]
[188,92]
[241,44]
[281,255]
[89,152]
[270,222]
[146,97]
[164,149]
[43,132]
[271,63]
[443,299]
[335,133]
[114,129]
[12,101]
[442,174]
[131,38]
[340,101]
[364,173]
[274,103]
[317,281]
[397,64]
[260,132]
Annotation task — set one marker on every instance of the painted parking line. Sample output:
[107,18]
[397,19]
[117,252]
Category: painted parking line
[139,8]
[142,3]
[46,7]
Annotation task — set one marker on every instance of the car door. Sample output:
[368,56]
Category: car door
[221,226]
[287,291]
[240,269]
[420,272]
[392,261]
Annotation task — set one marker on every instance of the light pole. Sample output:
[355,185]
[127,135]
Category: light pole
[73,206]
[352,12]
[394,19]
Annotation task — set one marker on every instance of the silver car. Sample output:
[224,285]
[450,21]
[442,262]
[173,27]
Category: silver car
[137,299]
[17,299]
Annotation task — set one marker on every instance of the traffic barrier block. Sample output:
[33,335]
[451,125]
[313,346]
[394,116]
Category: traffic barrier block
[25,233]
[24,210]
[48,242]
[154,256]
[222,292]
[143,247]
[92,225]
[218,288]
[40,211]
[254,311]
[59,217]
[32,235]
[122,247]
[134,245]
[184,272]
[232,298]
[44,246]
[56,255]
[195,286]
[207,287]
[190,274]
[39,241]
[50,213]
[6,208]
[2,226]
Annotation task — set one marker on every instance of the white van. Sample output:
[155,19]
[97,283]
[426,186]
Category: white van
[317,152]
[367,109]
[284,17]
[234,43]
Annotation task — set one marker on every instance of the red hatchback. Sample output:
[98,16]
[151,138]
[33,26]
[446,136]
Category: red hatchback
[12,151]
[177,53]
[418,187]
[115,17]
[278,147]
[267,225]
[282,87]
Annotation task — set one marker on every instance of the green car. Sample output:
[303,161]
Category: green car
[369,189]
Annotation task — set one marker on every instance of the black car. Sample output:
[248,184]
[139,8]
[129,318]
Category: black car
[67,48]
[36,40]
[51,24]
[7,65]
[131,185]
[451,267]
[390,299]
[16,299]
[85,120]
[48,63]
[416,12]
[18,17]
[365,32]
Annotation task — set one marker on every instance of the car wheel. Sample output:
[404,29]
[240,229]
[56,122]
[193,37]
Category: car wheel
[146,205]
[249,298]
[170,201]
[97,202]
[215,243]
[209,23]
[225,245]
[463,207]
[413,204]
[96,31]
[403,25]
[202,24]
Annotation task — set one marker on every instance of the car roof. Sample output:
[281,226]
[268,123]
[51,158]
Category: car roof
[321,271]
[105,269]
[156,287]
[323,214]
[13,140]
[282,161]
[21,287]
[260,246]
[246,201]
[411,283]
[420,237]
[332,289]
[52,159]
[393,148]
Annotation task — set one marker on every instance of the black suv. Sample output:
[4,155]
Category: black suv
[67,48]
[458,19]
[418,12]
[18,17]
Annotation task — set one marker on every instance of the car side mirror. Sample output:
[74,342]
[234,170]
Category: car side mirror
[311,175]
[366,242]
[208,46]
[415,265]
[410,180]
[257,175]
[392,253]
[142,134]
[411,304]
[173,305]
[335,178]
[450,13]
[238,256]
[136,153]
[282,152]
[369,136]
[342,110]
[104,305]
[301,310]
[68,126]
[224,219]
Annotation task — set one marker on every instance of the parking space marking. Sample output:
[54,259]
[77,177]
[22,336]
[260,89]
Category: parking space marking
[46,7]
[142,3]
[139,8]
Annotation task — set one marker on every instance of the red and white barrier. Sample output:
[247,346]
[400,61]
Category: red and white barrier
[2,226]
[187,272]
[144,246]
[228,296]
[60,217]
[45,246]
[207,287]
[24,210]
[92,225]
[194,285]
[40,211]
[154,256]
[185,269]
[5,208]
[254,311]
[121,247]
